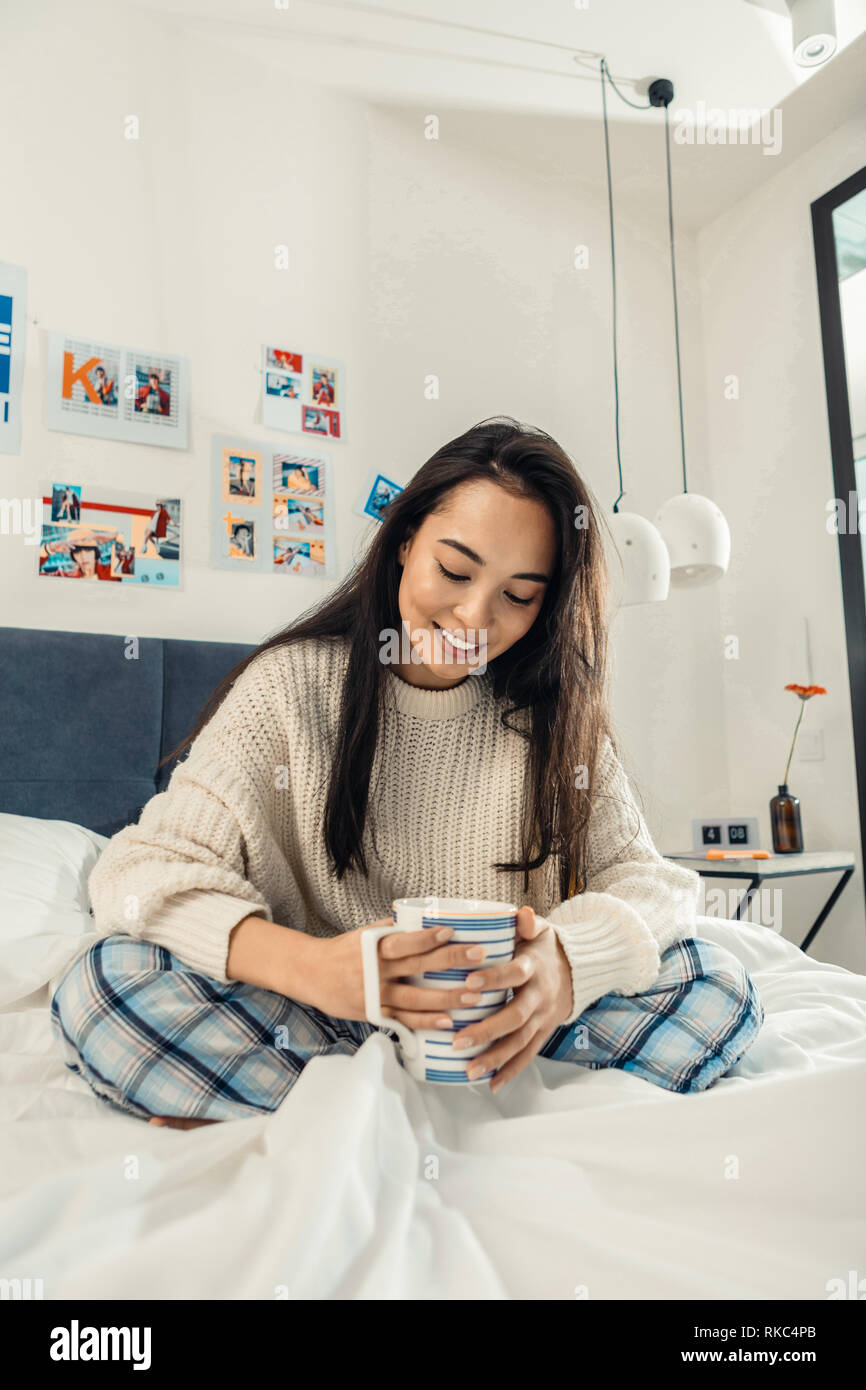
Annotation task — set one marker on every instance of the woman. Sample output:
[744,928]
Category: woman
[339,767]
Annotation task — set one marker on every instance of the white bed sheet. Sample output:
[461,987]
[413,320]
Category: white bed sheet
[365,1184]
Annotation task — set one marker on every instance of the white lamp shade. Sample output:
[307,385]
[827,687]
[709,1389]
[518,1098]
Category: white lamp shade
[644,559]
[697,537]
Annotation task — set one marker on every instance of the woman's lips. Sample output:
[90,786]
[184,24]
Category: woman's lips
[459,651]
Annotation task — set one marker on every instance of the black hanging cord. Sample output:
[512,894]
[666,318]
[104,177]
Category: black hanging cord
[606,74]
[674,279]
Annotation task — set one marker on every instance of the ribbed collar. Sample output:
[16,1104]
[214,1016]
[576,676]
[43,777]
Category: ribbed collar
[436,704]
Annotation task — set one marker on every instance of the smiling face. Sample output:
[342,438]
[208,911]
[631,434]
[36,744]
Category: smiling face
[477,573]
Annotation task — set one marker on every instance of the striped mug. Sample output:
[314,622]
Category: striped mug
[427,1053]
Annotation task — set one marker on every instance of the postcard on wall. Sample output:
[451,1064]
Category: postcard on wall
[92,532]
[303,393]
[378,492]
[13,341]
[117,392]
[270,509]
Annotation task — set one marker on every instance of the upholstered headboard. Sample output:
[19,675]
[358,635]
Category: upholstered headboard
[83,725]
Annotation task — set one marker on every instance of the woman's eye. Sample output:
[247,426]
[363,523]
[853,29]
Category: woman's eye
[448,574]
[459,578]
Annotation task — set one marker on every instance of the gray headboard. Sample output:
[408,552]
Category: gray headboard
[83,727]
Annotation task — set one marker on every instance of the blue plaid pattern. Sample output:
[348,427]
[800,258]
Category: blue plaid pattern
[153,1037]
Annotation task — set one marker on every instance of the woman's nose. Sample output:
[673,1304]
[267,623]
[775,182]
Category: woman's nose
[473,618]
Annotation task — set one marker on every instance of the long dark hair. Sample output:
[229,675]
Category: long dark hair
[556,672]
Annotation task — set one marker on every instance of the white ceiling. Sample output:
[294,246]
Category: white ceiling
[531,93]
[723,52]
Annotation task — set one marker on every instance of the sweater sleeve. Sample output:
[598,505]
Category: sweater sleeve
[179,878]
[636,904]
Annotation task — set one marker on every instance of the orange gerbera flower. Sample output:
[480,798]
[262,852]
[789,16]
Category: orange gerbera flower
[806,692]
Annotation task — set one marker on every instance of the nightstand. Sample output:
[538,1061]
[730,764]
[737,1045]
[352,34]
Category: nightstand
[777,866]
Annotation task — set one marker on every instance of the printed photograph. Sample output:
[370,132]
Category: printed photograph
[323,387]
[299,557]
[286,361]
[287,388]
[240,476]
[297,515]
[65,502]
[162,532]
[89,378]
[294,473]
[316,421]
[152,390]
[240,538]
[122,559]
[84,552]
[380,494]
[116,392]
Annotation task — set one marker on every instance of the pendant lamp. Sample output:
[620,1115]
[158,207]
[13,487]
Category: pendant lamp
[638,545]
[695,531]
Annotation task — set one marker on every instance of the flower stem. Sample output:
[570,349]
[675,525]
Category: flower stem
[793,741]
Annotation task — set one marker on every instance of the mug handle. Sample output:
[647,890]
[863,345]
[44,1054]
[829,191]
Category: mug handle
[372,999]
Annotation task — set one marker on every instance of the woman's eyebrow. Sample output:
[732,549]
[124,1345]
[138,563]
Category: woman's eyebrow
[470,554]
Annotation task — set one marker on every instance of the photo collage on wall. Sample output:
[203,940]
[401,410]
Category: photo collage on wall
[303,393]
[117,393]
[270,510]
[106,534]
[271,504]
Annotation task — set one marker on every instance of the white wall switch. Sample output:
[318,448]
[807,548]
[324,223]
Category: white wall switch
[810,745]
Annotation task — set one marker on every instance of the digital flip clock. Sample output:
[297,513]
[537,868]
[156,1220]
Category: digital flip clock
[732,832]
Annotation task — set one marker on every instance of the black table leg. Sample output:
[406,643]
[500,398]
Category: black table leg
[742,905]
[819,920]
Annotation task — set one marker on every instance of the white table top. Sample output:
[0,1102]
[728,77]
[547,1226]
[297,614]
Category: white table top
[805,863]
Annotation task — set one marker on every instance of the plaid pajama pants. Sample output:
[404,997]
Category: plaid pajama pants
[153,1037]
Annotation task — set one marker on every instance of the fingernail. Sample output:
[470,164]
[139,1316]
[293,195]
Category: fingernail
[461,1041]
[444,1022]
[475,953]
[444,934]
[474,981]
[474,1071]
[470,999]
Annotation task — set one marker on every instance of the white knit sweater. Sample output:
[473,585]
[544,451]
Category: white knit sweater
[239,830]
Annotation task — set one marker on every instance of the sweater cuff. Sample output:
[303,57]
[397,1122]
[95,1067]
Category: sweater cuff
[608,945]
[196,925]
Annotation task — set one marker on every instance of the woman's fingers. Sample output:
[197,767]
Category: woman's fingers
[511,975]
[419,1000]
[441,1022]
[509,1064]
[515,1015]
[461,957]
[400,944]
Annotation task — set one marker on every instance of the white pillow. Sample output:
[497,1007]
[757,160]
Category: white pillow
[44,908]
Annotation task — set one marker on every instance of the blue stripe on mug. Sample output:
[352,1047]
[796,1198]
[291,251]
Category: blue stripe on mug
[434,1074]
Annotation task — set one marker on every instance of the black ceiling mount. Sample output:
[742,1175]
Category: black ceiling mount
[661,92]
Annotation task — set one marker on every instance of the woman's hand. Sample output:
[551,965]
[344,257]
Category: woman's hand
[540,976]
[337,970]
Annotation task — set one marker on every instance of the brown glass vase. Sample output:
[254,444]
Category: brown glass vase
[785,821]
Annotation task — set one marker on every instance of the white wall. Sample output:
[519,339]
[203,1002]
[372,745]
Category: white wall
[168,243]
[773,476]
[413,257]
[474,280]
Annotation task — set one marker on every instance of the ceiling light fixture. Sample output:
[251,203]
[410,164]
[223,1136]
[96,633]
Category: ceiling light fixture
[640,548]
[813,31]
[690,543]
[694,529]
